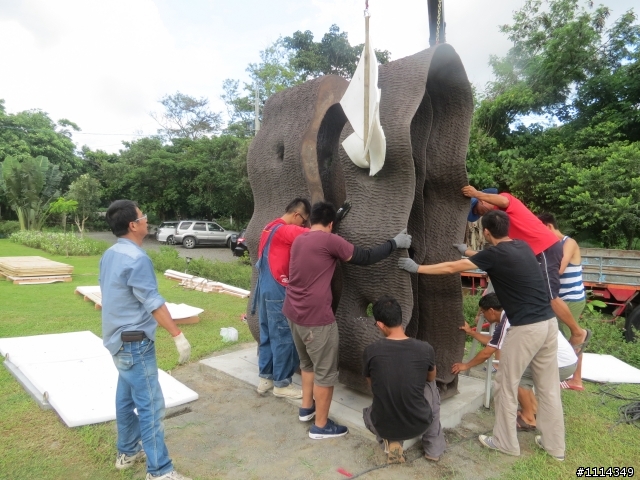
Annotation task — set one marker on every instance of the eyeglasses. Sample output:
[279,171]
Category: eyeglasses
[305,220]
[143,217]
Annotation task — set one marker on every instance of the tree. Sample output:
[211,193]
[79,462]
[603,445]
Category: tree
[86,192]
[582,81]
[33,134]
[63,207]
[288,62]
[30,186]
[187,117]
[333,55]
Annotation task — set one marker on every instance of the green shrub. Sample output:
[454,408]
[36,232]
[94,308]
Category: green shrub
[60,243]
[470,308]
[8,227]
[232,273]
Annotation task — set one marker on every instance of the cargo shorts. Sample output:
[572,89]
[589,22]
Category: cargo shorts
[318,351]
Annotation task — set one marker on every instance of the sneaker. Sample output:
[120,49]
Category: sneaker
[488,442]
[265,385]
[124,461]
[306,414]
[290,391]
[330,430]
[539,443]
[394,452]
[172,475]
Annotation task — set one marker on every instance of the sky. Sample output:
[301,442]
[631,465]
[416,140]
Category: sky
[105,64]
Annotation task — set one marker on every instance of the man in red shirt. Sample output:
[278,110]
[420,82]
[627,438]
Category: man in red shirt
[277,356]
[525,226]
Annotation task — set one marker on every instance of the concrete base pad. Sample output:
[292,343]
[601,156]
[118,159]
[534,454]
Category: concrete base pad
[347,404]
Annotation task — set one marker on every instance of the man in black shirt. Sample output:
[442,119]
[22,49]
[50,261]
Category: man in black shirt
[401,372]
[531,339]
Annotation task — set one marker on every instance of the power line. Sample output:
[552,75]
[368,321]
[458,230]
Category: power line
[23,129]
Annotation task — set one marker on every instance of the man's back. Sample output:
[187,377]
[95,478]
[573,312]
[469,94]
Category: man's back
[314,256]
[398,370]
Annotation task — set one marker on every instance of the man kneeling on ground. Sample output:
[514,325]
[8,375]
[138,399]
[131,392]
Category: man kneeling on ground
[402,374]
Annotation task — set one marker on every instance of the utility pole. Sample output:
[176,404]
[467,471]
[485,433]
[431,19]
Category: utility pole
[256,109]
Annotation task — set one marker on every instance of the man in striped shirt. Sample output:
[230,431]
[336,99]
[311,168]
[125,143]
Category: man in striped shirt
[572,290]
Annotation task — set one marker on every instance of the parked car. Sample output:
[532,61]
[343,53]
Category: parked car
[238,244]
[199,232]
[166,231]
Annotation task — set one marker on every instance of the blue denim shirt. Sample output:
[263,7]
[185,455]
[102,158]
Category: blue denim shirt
[129,293]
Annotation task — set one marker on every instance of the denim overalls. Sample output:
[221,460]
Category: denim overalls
[278,358]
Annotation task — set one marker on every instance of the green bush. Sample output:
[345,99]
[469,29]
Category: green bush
[232,273]
[60,243]
[8,227]
[470,308]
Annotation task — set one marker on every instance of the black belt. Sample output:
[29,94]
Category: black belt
[133,336]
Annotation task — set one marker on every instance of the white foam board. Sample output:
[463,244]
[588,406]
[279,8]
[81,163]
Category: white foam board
[609,369]
[78,375]
[182,310]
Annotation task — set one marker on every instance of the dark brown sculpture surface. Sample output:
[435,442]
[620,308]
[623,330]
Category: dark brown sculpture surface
[425,111]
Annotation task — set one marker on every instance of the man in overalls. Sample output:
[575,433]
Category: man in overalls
[278,358]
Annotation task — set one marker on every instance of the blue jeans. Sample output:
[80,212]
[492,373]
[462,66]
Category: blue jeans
[138,388]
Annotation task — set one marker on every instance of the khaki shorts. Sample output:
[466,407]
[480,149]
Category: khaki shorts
[318,351]
[526,381]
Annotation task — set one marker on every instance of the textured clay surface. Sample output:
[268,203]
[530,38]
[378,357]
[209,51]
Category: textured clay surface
[425,111]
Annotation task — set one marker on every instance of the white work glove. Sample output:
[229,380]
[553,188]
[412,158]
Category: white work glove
[462,247]
[408,265]
[183,346]
[402,239]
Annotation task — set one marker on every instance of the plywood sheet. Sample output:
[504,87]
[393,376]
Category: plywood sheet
[33,266]
[78,375]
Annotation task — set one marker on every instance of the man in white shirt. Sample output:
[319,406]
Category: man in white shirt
[494,313]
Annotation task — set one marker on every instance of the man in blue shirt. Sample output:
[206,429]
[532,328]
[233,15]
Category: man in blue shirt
[131,310]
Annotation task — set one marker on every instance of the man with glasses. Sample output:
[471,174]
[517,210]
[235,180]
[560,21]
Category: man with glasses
[132,308]
[277,356]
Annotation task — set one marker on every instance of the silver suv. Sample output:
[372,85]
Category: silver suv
[196,232]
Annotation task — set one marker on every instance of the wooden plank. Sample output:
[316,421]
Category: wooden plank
[187,321]
[39,280]
[33,266]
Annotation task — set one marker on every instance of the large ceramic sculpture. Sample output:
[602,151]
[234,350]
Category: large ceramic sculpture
[425,110]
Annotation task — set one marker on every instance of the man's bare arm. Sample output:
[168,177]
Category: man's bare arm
[569,250]
[497,200]
[163,317]
[447,267]
[431,376]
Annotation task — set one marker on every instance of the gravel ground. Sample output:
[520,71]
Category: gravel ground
[222,254]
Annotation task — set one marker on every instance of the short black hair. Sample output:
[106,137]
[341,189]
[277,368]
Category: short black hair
[548,219]
[490,300]
[323,213]
[120,214]
[298,202]
[388,311]
[497,222]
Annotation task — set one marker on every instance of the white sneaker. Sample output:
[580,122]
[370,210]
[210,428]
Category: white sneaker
[172,475]
[124,461]
[287,392]
[265,385]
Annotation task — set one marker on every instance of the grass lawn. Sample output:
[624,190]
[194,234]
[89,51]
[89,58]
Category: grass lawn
[35,443]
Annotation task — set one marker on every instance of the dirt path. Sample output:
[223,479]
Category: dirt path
[232,432]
